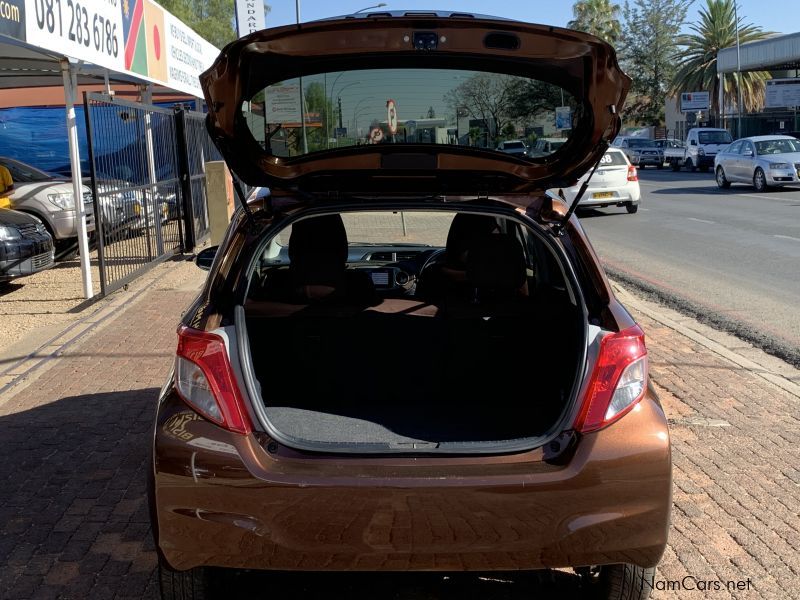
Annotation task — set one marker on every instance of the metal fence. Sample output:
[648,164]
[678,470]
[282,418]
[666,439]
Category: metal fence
[147,167]
[195,148]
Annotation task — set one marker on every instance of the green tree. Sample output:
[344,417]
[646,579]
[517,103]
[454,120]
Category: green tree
[317,103]
[212,19]
[647,51]
[697,57]
[485,96]
[598,17]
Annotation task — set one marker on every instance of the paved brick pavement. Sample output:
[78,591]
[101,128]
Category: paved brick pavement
[74,523]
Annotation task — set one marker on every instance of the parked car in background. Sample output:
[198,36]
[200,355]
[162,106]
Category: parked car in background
[514,147]
[762,161]
[640,151]
[702,145]
[25,245]
[49,198]
[475,400]
[546,146]
[614,183]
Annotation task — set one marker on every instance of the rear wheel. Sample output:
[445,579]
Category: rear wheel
[722,181]
[676,165]
[625,582]
[660,165]
[183,585]
[760,181]
[631,207]
[690,165]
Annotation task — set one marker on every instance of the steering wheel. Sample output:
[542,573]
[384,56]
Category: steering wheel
[432,259]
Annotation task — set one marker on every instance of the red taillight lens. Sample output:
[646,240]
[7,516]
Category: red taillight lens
[632,173]
[618,381]
[204,379]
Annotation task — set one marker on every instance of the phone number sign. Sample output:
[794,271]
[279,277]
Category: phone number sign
[137,37]
[88,31]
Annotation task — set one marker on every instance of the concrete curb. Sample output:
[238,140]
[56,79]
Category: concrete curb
[771,369]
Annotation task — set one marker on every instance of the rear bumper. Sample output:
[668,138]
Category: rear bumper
[221,499]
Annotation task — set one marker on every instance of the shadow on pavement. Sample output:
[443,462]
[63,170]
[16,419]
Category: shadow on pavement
[75,521]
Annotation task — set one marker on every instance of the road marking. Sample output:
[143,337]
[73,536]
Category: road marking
[702,221]
[787,237]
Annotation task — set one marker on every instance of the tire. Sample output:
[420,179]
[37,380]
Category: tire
[183,585]
[660,166]
[690,165]
[704,169]
[625,582]
[632,208]
[760,181]
[676,165]
[722,181]
[66,249]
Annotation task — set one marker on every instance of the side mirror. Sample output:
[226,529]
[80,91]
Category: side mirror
[205,258]
[748,152]
[693,142]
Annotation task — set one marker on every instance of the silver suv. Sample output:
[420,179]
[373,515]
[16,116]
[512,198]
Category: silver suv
[50,198]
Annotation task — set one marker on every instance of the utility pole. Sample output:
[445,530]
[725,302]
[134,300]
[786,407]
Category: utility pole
[302,95]
[738,73]
[340,112]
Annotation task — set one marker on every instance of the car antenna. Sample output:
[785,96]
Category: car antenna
[243,201]
[563,223]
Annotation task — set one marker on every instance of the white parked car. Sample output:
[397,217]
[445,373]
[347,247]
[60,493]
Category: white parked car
[762,161]
[615,183]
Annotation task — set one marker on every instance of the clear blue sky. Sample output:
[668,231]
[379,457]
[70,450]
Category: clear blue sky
[782,16]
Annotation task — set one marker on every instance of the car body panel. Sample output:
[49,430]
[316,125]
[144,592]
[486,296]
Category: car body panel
[609,185]
[32,198]
[224,499]
[558,56]
[30,253]
[740,160]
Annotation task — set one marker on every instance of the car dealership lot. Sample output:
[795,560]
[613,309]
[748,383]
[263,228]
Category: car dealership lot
[74,518]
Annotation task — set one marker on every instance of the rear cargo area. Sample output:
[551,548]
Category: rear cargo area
[404,373]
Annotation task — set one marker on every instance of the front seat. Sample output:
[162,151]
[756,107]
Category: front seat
[318,271]
[446,280]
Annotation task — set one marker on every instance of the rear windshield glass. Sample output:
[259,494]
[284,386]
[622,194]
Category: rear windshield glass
[777,146]
[406,106]
[612,159]
[513,145]
[633,143]
[714,137]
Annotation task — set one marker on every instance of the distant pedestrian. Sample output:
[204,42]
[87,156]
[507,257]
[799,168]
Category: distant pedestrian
[6,186]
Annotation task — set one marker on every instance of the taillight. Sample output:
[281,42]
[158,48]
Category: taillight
[204,379]
[618,381]
[632,174]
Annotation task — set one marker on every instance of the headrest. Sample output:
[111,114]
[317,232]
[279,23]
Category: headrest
[496,262]
[318,250]
[465,230]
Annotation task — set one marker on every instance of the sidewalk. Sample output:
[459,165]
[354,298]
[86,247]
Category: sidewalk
[74,522]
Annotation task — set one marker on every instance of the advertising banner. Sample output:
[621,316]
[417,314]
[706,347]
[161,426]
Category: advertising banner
[250,17]
[694,101]
[12,18]
[127,36]
[782,93]
[563,117]
[282,104]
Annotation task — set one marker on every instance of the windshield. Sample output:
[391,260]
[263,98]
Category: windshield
[714,137]
[513,145]
[406,106]
[22,173]
[778,146]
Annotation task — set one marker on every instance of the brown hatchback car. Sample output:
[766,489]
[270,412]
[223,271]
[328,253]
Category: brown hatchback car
[406,356]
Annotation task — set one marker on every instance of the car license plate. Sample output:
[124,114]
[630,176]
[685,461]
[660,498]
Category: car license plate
[602,194]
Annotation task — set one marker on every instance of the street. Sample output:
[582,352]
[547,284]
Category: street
[729,257]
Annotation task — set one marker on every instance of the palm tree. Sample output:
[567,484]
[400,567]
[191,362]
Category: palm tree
[598,17]
[697,57]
